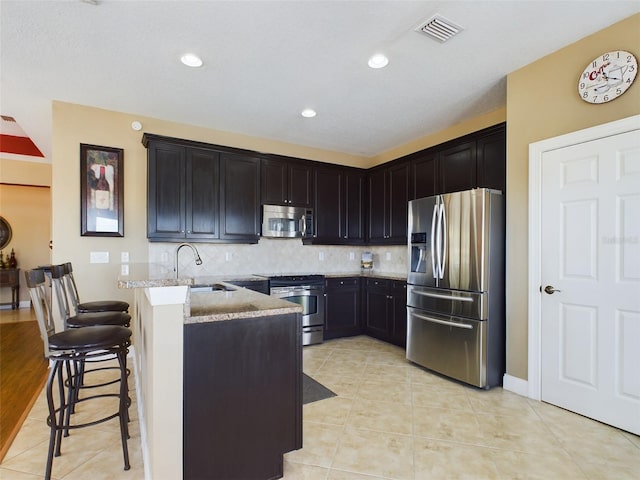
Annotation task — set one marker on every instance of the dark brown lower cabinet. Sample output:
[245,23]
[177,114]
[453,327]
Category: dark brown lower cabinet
[242,397]
[342,307]
[385,310]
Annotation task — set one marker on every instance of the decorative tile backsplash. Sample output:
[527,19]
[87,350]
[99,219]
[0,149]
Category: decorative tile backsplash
[278,256]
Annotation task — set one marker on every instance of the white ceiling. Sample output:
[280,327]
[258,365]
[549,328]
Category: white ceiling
[264,61]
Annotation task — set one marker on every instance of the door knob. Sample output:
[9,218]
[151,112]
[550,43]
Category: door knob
[550,290]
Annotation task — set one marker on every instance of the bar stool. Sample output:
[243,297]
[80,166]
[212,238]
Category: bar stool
[96,306]
[104,317]
[81,320]
[64,349]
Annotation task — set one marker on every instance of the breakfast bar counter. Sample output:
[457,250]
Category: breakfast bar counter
[218,376]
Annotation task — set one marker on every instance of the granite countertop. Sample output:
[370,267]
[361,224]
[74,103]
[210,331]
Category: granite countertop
[230,302]
[234,303]
[141,275]
[367,274]
[149,275]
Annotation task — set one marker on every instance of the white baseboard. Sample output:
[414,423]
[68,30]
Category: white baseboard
[515,385]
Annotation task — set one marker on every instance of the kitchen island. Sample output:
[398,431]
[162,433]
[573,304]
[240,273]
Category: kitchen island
[218,377]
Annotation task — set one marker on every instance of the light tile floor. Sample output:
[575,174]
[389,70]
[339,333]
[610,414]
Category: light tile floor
[389,420]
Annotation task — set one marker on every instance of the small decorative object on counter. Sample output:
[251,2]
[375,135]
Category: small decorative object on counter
[13,262]
[366,261]
[2,265]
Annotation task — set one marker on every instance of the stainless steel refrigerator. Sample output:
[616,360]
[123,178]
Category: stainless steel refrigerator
[455,292]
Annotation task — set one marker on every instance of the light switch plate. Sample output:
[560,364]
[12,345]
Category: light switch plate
[98,257]
[124,257]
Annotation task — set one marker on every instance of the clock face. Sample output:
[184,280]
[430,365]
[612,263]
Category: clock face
[607,77]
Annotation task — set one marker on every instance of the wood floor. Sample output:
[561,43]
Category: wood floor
[23,371]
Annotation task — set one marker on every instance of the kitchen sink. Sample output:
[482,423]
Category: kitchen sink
[218,287]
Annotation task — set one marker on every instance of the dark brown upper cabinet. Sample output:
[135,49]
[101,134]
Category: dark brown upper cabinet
[457,168]
[491,153]
[476,160]
[388,195]
[214,193]
[201,194]
[182,193]
[286,182]
[424,170]
[239,197]
[338,205]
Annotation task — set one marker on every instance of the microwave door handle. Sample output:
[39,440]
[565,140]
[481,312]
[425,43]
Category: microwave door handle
[444,239]
[434,269]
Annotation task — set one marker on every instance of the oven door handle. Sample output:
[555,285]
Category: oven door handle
[303,290]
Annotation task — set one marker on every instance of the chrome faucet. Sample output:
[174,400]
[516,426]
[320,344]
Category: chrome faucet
[195,254]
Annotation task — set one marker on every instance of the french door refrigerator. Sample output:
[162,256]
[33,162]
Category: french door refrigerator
[455,291]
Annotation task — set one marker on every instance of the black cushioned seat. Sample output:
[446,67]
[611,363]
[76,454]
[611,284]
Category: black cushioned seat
[89,339]
[88,307]
[58,272]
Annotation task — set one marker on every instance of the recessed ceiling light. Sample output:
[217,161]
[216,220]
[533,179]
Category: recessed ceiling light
[378,61]
[191,60]
[308,113]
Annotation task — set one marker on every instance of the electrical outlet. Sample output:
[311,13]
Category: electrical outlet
[352,256]
[228,256]
[98,257]
[321,256]
[388,255]
[124,269]
[124,257]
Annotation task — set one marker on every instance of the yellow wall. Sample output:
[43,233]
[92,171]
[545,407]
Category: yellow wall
[28,210]
[18,172]
[542,102]
[455,131]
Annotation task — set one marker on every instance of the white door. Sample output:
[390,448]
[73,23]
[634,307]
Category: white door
[590,244]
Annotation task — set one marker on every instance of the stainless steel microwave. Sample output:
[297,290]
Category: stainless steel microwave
[287,222]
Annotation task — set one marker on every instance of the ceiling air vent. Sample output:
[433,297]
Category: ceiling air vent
[439,28]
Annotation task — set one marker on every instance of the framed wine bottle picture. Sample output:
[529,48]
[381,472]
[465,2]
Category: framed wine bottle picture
[101,191]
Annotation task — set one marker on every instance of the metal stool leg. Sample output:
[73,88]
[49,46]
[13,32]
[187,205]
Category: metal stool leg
[124,407]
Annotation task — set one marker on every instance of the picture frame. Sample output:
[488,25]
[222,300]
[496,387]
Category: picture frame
[101,191]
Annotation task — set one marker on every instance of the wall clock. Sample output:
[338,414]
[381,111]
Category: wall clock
[607,76]
[5,233]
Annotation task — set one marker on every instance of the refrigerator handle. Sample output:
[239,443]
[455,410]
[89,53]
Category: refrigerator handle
[434,267]
[442,296]
[443,236]
[444,322]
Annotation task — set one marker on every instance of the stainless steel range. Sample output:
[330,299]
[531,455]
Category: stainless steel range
[308,292]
